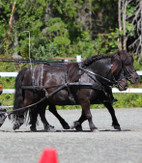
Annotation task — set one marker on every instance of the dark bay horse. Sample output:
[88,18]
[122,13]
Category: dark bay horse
[101,72]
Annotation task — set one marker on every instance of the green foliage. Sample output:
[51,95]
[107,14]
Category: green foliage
[128,100]
[84,46]
[7,99]
[105,44]
[130,29]
[130,10]
[137,65]
[59,35]
[44,52]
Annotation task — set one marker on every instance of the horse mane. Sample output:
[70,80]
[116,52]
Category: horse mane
[73,68]
[114,57]
[90,60]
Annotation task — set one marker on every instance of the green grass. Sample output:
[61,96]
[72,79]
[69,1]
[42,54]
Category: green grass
[124,101]
[7,99]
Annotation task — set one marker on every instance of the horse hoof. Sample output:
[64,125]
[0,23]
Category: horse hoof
[66,126]
[16,126]
[33,129]
[72,126]
[77,126]
[94,129]
[117,127]
[50,128]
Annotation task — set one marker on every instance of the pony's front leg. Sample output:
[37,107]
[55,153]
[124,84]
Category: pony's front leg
[33,118]
[86,109]
[115,123]
[78,124]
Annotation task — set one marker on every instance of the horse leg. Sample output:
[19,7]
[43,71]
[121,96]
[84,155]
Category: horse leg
[111,110]
[52,109]
[46,125]
[33,118]
[77,124]
[86,109]
[19,121]
[21,114]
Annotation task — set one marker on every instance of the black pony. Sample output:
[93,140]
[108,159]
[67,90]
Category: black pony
[92,82]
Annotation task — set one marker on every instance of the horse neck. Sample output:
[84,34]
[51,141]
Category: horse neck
[102,67]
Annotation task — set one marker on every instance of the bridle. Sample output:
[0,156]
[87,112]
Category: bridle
[128,73]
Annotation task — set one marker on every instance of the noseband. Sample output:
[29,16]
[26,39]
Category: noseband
[128,73]
[120,79]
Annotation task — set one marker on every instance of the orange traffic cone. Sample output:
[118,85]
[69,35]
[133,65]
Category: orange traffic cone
[49,156]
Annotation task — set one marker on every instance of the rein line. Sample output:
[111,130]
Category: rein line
[62,86]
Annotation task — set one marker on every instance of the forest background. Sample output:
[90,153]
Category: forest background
[68,28]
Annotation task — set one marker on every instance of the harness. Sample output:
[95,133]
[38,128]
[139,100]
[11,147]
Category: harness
[92,74]
[66,85]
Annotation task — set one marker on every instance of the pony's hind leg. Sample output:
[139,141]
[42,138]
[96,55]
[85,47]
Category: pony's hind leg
[115,123]
[20,115]
[52,109]
[19,121]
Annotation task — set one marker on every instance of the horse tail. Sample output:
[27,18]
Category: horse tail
[18,97]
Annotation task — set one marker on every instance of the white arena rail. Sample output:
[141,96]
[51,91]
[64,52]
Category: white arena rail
[114,90]
[8,74]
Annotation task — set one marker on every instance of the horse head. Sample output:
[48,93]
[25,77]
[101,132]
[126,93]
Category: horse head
[109,67]
[121,83]
[127,64]
[118,73]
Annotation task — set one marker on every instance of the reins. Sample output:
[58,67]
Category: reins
[28,106]
[60,87]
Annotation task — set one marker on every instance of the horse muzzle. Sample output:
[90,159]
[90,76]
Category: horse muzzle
[134,78]
[122,85]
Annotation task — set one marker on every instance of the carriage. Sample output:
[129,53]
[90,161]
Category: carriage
[85,83]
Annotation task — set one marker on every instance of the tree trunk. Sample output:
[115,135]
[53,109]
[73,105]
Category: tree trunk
[10,20]
[120,24]
[141,29]
[10,27]
[124,23]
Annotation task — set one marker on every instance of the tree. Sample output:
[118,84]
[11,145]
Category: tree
[136,45]
[130,25]
[60,27]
